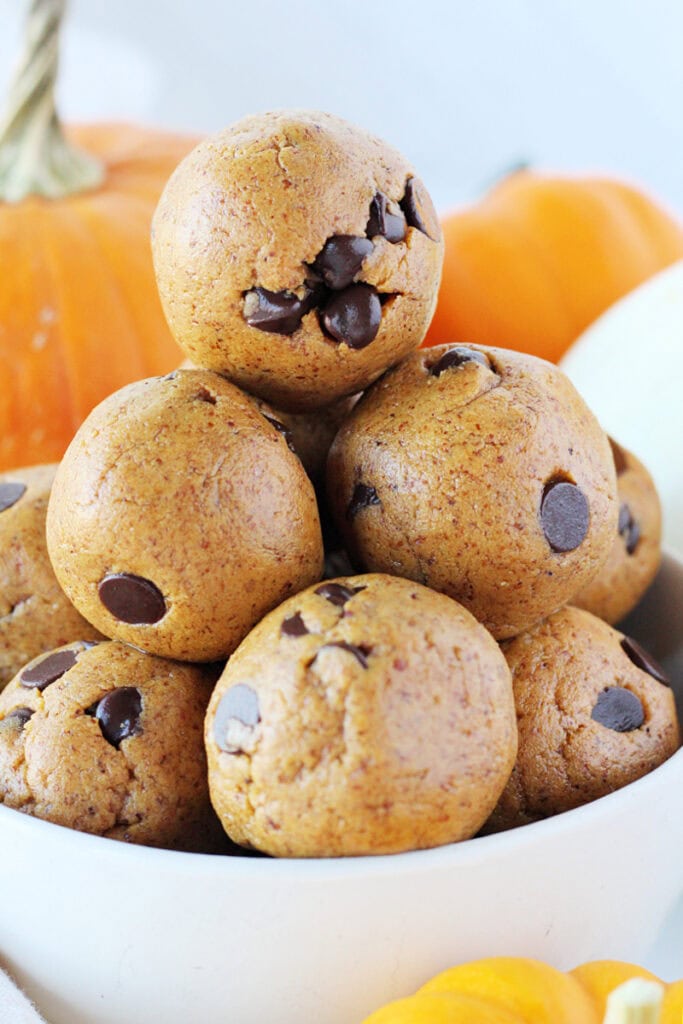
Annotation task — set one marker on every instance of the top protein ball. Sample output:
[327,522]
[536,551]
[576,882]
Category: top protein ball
[297,255]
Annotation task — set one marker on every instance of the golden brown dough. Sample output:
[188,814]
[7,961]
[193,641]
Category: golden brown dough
[636,550]
[35,613]
[179,517]
[480,473]
[594,713]
[298,255]
[108,740]
[365,715]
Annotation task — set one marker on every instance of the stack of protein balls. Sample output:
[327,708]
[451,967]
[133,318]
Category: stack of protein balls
[298,262]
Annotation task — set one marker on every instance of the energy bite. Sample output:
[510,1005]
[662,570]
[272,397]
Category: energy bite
[179,517]
[365,715]
[480,473]
[594,712]
[298,255]
[108,740]
[35,614]
[636,549]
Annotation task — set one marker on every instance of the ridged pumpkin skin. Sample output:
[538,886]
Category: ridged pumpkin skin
[519,990]
[79,311]
[541,257]
[600,977]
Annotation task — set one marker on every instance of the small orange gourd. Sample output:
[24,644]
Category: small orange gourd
[542,256]
[79,311]
[518,990]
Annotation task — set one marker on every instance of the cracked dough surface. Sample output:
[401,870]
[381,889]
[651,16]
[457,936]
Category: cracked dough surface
[35,614]
[633,561]
[181,481]
[409,750]
[566,758]
[253,206]
[152,789]
[458,463]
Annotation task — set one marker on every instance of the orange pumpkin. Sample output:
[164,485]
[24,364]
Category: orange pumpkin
[79,310]
[517,990]
[541,257]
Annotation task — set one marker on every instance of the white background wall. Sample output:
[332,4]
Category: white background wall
[465,88]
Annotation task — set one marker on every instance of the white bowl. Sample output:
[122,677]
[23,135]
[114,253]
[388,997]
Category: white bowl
[99,932]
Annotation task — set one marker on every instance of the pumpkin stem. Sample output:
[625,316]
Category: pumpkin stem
[35,157]
[635,1002]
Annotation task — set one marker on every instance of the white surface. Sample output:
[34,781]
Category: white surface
[14,1006]
[629,368]
[464,88]
[103,933]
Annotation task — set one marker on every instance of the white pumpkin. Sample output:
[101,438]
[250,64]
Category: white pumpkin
[628,366]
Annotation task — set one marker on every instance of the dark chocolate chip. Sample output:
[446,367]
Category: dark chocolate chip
[618,709]
[277,312]
[457,357]
[341,258]
[48,670]
[204,395]
[353,316]
[359,653]
[337,593]
[564,515]
[382,221]
[10,494]
[629,528]
[238,705]
[294,626]
[619,456]
[132,599]
[417,207]
[18,716]
[281,429]
[118,714]
[363,497]
[644,660]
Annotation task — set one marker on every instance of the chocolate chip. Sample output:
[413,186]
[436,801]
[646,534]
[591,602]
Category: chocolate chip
[341,258]
[629,528]
[294,626]
[132,599]
[564,515]
[353,316]
[417,207]
[619,456]
[618,709]
[10,494]
[337,593]
[363,497]
[359,653]
[204,395]
[118,714]
[457,357]
[18,716]
[237,716]
[48,670]
[644,660]
[277,312]
[281,429]
[382,221]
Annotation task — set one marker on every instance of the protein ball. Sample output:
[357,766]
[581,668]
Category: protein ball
[298,255]
[365,715]
[480,473]
[179,517]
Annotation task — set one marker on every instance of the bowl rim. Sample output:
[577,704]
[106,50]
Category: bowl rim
[452,855]
[311,869]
